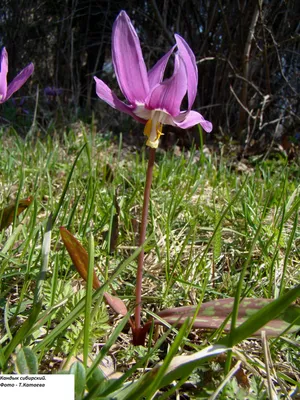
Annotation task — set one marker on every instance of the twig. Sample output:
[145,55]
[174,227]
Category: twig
[280,65]
[270,368]
[241,104]
[246,57]
[206,59]
[161,23]
[264,103]
[235,74]
[265,52]
[272,394]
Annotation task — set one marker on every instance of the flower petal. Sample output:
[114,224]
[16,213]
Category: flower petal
[142,112]
[128,60]
[156,73]
[19,80]
[168,95]
[3,74]
[192,118]
[191,67]
[106,94]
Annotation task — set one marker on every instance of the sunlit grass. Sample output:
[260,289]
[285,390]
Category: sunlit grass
[213,232]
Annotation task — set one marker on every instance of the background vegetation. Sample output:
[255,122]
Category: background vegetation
[215,231]
[247,53]
[220,226]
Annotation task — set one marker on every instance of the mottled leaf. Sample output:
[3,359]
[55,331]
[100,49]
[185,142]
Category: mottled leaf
[213,313]
[78,371]
[26,361]
[7,214]
[79,257]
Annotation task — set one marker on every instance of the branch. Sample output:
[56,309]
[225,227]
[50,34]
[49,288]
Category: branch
[168,35]
[241,104]
[246,66]
[279,62]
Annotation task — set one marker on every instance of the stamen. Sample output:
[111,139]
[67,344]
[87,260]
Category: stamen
[148,128]
[153,135]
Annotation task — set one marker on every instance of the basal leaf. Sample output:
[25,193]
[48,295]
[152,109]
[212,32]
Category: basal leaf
[115,303]
[79,257]
[78,370]
[213,313]
[7,214]
[26,361]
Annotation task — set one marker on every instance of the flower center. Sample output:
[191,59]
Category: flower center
[153,132]
[153,129]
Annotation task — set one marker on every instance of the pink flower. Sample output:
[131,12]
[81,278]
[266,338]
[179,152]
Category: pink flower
[7,91]
[150,98]
[53,91]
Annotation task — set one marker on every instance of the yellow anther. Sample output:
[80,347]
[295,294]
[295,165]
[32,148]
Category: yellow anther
[148,128]
[158,132]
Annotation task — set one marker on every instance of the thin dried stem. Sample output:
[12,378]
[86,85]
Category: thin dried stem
[246,60]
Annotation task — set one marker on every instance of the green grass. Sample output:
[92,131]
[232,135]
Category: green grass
[213,233]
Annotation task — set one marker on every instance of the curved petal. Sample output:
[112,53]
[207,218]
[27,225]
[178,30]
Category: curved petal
[191,119]
[142,112]
[156,73]
[128,60]
[3,74]
[106,94]
[19,80]
[191,67]
[168,95]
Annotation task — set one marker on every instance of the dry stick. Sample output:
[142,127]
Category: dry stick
[280,63]
[139,277]
[246,59]
[265,51]
[235,74]
[160,20]
[100,51]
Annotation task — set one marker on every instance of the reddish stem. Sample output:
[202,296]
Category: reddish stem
[139,277]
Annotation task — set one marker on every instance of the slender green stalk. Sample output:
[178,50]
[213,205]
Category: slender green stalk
[287,254]
[139,277]
[88,301]
[202,156]
[238,296]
